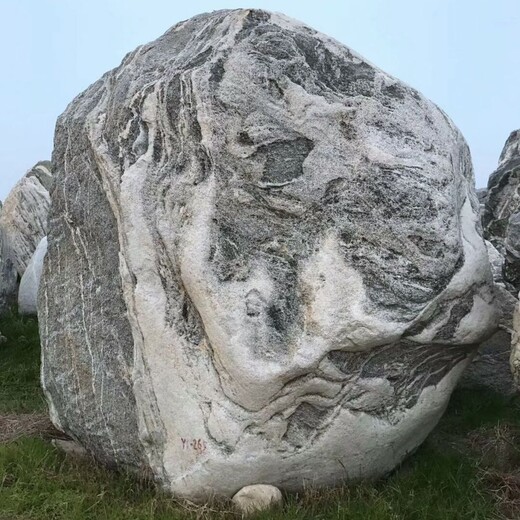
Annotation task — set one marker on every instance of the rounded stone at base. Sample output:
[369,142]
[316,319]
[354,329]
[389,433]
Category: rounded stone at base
[257,497]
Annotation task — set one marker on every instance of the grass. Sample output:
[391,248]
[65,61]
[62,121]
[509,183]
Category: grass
[469,468]
[20,365]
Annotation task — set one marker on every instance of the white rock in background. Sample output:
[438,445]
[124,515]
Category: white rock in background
[28,291]
[496,261]
[8,276]
[264,264]
[23,220]
[490,368]
[501,215]
[501,223]
[259,497]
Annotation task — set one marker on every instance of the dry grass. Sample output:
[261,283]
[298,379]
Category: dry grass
[505,489]
[498,450]
[497,446]
[16,426]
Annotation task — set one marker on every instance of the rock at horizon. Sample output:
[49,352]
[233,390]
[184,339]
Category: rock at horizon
[265,264]
[23,219]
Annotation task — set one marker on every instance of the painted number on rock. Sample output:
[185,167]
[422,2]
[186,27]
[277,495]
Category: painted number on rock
[197,445]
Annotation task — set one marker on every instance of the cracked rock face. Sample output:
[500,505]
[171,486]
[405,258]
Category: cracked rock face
[501,216]
[23,220]
[265,263]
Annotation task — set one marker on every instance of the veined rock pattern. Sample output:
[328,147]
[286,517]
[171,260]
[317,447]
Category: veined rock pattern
[8,276]
[501,222]
[490,368]
[23,220]
[501,216]
[264,264]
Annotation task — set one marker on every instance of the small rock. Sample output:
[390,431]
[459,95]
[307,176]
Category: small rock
[70,447]
[257,498]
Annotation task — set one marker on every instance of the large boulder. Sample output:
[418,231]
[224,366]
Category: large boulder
[501,223]
[265,264]
[30,282]
[501,216]
[8,277]
[23,220]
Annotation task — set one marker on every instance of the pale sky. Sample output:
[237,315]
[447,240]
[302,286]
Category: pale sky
[462,54]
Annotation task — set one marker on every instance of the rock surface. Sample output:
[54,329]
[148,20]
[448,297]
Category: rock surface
[501,223]
[501,216]
[515,346]
[264,264]
[482,196]
[491,366]
[8,278]
[259,497]
[23,220]
[28,291]
[71,448]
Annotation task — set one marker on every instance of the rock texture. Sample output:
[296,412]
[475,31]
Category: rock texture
[23,220]
[491,366]
[8,278]
[30,283]
[482,196]
[515,346]
[265,263]
[501,223]
[501,216]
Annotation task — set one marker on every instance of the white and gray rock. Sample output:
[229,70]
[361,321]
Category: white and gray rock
[515,346]
[28,291]
[259,497]
[23,220]
[490,368]
[501,223]
[501,216]
[8,277]
[482,195]
[265,262]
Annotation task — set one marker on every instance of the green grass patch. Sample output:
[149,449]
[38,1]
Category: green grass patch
[446,479]
[20,365]
[40,482]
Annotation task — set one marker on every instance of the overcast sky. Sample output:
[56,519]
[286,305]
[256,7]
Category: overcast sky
[464,55]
